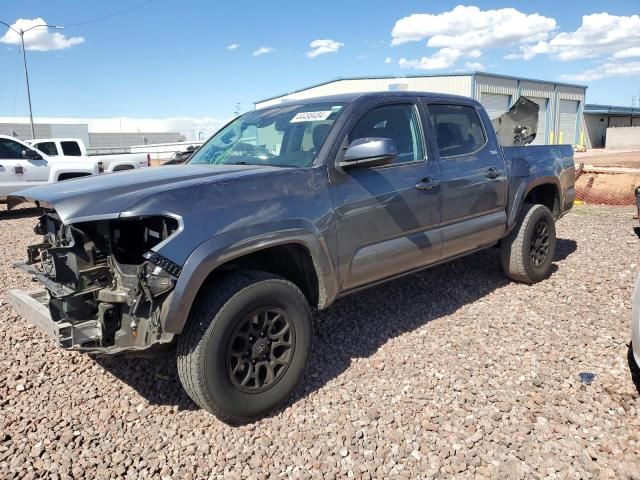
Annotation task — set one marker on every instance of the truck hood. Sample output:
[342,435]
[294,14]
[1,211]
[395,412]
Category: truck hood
[108,196]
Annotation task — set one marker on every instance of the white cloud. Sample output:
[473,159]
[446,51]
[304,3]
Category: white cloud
[322,46]
[628,53]
[263,51]
[606,70]
[474,66]
[599,35]
[443,58]
[388,60]
[39,38]
[233,46]
[468,30]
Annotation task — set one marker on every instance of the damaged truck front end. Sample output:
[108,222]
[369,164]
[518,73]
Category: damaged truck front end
[107,290]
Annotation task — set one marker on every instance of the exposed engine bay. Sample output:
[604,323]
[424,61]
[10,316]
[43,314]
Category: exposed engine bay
[104,280]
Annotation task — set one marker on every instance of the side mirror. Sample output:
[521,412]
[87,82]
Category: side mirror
[31,155]
[369,152]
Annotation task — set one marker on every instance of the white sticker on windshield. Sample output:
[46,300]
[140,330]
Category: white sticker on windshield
[311,116]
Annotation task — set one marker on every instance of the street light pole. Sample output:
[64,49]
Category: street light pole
[26,76]
[26,71]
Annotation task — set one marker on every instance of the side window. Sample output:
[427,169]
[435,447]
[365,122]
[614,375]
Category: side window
[399,123]
[71,149]
[10,150]
[47,147]
[458,129]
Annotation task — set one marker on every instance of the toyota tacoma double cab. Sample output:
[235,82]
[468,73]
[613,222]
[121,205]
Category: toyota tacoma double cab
[284,210]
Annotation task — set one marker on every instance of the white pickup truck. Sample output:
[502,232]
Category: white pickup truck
[22,166]
[74,148]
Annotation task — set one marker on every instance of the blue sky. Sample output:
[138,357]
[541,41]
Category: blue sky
[171,58]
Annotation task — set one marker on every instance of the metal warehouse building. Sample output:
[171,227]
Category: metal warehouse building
[93,140]
[561,105]
[599,119]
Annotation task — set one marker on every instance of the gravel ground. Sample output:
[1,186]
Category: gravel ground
[454,372]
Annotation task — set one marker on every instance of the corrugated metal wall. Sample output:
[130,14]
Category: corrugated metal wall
[452,84]
[497,93]
[23,130]
[620,121]
[107,140]
[549,131]
[80,131]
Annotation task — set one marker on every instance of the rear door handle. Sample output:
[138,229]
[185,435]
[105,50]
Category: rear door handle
[427,184]
[492,173]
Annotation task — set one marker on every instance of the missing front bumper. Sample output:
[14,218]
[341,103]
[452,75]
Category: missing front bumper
[33,306]
[81,336]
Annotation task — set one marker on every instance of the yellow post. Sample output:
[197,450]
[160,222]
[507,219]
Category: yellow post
[551,138]
[561,139]
[582,138]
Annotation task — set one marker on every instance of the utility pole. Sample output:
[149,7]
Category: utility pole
[26,71]
[26,76]
[237,110]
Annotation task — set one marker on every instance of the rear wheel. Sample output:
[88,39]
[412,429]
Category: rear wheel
[246,346]
[527,252]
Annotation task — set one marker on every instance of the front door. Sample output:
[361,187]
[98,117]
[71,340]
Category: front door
[12,173]
[472,179]
[387,216]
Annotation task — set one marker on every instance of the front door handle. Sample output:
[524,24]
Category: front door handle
[492,173]
[427,184]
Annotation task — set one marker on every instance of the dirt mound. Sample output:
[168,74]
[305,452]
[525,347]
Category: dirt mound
[607,188]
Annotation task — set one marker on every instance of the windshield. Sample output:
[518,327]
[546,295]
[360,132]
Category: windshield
[287,136]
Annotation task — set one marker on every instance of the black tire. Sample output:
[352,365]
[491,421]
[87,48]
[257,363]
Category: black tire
[211,369]
[521,251]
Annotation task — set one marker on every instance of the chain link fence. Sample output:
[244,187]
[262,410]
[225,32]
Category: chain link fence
[606,186]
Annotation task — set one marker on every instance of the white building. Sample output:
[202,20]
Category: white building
[561,117]
[105,133]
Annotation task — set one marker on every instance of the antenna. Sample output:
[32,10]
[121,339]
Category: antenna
[237,110]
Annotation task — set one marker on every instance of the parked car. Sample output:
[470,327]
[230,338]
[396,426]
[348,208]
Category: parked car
[226,255]
[181,157]
[74,148]
[22,166]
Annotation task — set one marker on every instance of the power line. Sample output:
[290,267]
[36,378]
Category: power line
[111,15]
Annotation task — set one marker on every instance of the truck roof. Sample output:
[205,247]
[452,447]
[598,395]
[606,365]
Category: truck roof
[350,97]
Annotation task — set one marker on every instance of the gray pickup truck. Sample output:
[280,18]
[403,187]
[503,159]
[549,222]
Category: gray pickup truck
[286,209]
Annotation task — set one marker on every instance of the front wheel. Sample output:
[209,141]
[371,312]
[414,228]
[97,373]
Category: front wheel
[527,252]
[246,346]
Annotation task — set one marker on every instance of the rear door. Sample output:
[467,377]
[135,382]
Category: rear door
[387,216]
[568,121]
[472,178]
[495,104]
[541,132]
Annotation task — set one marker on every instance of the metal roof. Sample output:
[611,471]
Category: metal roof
[401,77]
[596,109]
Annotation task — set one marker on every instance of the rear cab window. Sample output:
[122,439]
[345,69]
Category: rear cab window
[71,149]
[458,129]
[47,147]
